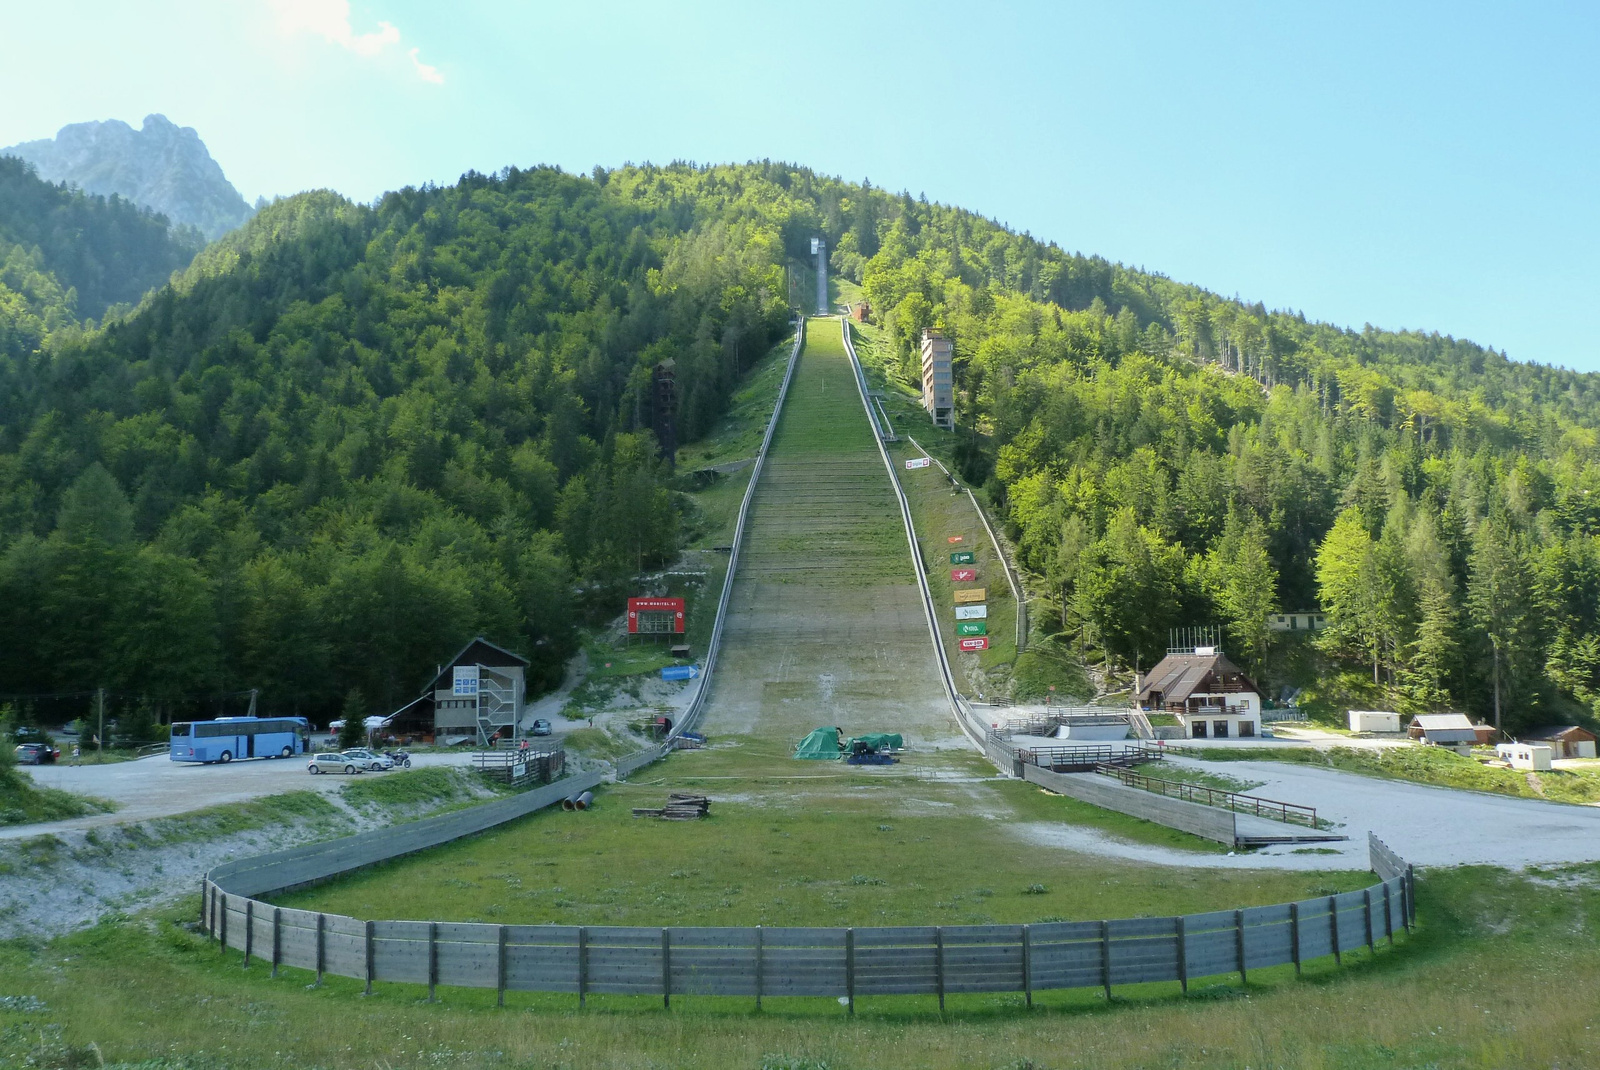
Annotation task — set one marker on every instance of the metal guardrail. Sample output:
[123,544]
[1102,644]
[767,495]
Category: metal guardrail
[1272,809]
[1088,756]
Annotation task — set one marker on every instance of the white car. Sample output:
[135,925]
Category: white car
[375,760]
[335,762]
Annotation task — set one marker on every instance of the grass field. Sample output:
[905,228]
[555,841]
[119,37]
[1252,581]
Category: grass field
[1504,972]
[1428,765]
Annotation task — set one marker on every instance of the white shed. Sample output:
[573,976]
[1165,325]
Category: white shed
[1374,721]
[1534,756]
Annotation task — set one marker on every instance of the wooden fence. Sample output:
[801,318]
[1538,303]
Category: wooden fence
[825,962]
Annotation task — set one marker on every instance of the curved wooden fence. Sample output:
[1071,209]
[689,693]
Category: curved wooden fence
[841,963]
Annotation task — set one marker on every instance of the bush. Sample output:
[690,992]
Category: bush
[353,733]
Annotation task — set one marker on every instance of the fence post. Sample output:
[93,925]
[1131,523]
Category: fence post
[938,964]
[1411,895]
[1294,936]
[1388,913]
[500,970]
[1366,899]
[277,938]
[205,906]
[1238,930]
[249,930]
[321,945]
[1105,957]
[760,963]
[1333,927]
[666,967]
[222,928]
[850,969]
[1027,964]
[583,965]
[368,958]
[433,958]
[1183,953]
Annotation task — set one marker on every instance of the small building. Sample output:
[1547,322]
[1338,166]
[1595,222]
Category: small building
[1305,620]
[1374,721]
[1210,695]
[1565,741]
[479,693]
[1444,730]
[1531,756]
[938,388]
[860,311]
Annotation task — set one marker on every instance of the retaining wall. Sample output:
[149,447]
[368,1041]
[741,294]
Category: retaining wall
[828,962]
[1209,822]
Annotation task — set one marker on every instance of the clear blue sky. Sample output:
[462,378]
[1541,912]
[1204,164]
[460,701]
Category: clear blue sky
[1416,165]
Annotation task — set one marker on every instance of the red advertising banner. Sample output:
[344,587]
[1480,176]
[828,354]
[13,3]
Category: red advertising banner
[659,615]
[954,538]
[980,643]
[963,575]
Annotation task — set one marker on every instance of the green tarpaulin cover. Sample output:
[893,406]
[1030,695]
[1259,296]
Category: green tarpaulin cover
[883,740]
[821,744]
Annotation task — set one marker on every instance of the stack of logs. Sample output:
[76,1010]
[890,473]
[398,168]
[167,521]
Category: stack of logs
[680,807]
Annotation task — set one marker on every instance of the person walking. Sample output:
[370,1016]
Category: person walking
[76,752]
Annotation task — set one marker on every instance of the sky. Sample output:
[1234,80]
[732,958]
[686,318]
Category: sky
[1429,166]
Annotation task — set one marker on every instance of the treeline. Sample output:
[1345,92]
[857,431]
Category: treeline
[1167,457]
[351,438]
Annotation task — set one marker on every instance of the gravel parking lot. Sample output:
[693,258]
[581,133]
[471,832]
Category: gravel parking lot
[160,787]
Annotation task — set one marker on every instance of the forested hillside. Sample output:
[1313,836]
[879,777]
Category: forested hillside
[351,437]
[66,256]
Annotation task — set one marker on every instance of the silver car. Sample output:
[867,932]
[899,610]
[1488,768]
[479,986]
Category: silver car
[374,759]
[335,762]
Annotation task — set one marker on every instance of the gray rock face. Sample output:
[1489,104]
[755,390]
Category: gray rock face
[163,166]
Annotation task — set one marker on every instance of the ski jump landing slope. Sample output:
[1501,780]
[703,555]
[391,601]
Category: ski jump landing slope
[825,625]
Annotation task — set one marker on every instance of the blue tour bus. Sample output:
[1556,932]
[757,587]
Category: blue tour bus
[228,738]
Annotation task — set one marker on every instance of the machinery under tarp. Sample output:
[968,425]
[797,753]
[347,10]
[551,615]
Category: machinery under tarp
[823,744]
[882,741]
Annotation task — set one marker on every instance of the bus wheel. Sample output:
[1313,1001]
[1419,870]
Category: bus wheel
[286,752]
[227,756]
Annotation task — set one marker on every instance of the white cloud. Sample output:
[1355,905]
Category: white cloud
[330,19]
[424,71]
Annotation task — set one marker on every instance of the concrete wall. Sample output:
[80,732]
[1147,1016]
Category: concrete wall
[1205,821]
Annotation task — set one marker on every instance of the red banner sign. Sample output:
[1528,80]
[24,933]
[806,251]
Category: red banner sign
[980,643]
[954,538]
[661,615]
[963,575]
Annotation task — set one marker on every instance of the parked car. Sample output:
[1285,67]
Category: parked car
[337,762]
[36,753]
[377,761]
[541,727]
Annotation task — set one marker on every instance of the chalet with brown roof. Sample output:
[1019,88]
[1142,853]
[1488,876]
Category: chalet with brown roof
[1210,695]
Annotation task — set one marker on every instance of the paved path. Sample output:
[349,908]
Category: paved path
[160,787]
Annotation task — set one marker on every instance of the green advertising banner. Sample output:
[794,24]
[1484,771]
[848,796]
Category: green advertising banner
[972,627]
[962,557]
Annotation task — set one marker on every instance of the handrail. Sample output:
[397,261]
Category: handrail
[1272,809]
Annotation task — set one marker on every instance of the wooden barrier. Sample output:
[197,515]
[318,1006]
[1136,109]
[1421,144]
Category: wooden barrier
[844,964]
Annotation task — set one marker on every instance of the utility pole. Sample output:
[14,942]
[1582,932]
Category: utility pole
[100,736]
[252,711]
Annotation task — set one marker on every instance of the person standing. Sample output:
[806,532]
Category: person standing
[76,752]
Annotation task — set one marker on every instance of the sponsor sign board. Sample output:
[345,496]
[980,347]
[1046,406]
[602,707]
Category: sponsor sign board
[972,594]
[464,681]
[961,557]
[680,672]
[519,770]
[919,462]
[954,538]
[655,615]
[980,643]
[963,575]
[972,627]
[972,612]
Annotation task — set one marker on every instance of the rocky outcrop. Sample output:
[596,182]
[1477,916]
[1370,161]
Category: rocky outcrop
[162,166]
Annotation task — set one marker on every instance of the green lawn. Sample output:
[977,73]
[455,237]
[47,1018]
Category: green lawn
[1425,765]
[22,802]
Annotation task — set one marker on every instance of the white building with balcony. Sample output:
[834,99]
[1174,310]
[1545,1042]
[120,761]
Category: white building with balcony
[1210,696]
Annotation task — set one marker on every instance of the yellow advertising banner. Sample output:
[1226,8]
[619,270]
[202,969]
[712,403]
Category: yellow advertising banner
[975,594]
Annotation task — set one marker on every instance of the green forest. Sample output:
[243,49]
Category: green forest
[346,438]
